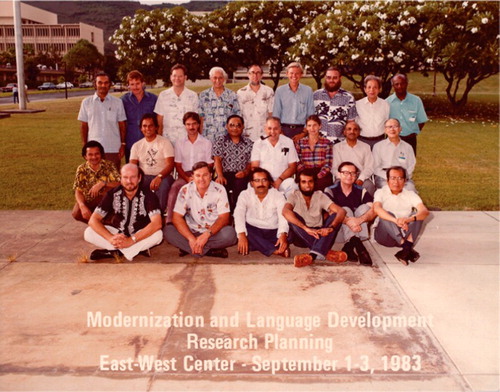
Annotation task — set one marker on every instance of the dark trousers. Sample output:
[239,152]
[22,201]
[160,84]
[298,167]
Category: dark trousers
[321,246]
[411,139]
[263,240]
[234,187]
[290,130]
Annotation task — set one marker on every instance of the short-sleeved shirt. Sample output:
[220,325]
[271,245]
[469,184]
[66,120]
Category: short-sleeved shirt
[293,107]
[387,154]
[334,112]
[201,212]
[410,112]
[321,157]
[134,111]
[235,156]
[152,155]
[215,110]
[102,118]
[86,177]
[255,108]
[275,159]
[353,200]
[128,216]
[372,116]
[313,216]
[401,205]
[173,108]
[188,153]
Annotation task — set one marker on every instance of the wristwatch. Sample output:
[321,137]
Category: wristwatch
[160,175]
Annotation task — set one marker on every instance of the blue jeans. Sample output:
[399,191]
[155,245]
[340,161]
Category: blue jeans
[321,246]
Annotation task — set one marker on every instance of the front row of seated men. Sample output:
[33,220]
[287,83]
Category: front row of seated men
[128,220]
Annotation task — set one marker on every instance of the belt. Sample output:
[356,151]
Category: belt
[373,137]
[292,126]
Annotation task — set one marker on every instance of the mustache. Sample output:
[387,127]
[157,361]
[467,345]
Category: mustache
[264,137]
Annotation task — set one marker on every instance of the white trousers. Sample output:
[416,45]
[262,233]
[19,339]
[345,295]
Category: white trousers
[96,239]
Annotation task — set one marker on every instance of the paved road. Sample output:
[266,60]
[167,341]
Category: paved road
[50,95]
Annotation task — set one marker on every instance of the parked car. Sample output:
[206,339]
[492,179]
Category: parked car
[47,86]
[120,87]
[8,88]
[86,85]
[61,86]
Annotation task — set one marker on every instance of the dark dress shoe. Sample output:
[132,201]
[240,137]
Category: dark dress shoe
[414,255]
[403,256]
[222,253]
[145,253]
[99,254]
[182,253]
[364,257]
[348,248]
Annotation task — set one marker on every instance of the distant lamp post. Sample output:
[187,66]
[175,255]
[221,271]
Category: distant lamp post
[18,36]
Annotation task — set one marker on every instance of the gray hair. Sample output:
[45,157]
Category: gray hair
[213,70]
[372,77]
[399,75]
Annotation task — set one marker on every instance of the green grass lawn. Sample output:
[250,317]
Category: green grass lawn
[457,163]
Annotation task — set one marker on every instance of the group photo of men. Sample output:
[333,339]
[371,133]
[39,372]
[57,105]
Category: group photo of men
[256,169]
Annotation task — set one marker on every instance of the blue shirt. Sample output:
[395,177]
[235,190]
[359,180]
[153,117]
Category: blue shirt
[293,107]
[134,111]
[410,112]
[215,110]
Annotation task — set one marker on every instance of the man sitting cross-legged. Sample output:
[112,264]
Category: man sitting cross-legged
[304,212]
[258,217]
[201,217]
[128,220]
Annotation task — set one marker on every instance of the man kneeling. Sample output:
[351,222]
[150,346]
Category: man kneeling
[128,220]
[201,217]
[304,212]
[401,213]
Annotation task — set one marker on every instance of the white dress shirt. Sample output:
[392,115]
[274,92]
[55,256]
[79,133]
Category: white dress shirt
[265,214]
[372,116]
[255,108]
[387,154]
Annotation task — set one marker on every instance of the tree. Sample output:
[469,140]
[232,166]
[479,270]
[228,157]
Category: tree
[84,56]
[463,44]
[260,31]
[154,41]
[363,38]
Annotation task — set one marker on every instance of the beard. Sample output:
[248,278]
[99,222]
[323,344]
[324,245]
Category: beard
[307,193]
[332,87]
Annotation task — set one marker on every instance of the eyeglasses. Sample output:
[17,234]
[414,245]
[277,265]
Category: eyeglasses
[255,73]
[392,127]
[396,178]
[262,180]
[235,125]
[348,173]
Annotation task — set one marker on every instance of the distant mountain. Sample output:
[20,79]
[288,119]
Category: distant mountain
[108,15]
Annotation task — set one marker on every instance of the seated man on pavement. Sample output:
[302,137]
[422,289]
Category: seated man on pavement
[276,153]
[258,219]
[393,151]
[92,180]
[190,149]
[401,213]
[201,217]
[232,159]
[154,154]
[304,212]
[359,153]
[357,203]
[128,220]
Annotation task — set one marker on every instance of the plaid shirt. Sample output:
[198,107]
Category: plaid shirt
[320,157]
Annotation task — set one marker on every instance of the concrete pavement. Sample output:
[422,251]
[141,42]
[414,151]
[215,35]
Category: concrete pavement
[248,323]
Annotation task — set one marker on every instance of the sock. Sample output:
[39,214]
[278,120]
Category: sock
[313,255]
[407,246]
